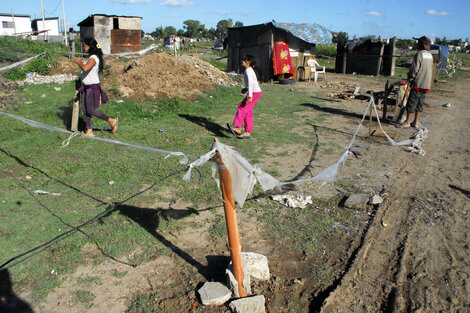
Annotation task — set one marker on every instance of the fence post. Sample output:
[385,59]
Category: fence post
[231,221]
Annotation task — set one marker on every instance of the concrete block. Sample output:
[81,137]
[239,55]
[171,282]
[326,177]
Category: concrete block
[233,283]
[213,293]
[256,265]
[254,304]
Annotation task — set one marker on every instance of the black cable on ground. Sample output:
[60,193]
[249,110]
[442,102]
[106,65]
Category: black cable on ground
[108,210]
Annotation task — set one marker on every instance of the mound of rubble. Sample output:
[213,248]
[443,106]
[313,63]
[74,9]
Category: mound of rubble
[8,95]
[157,75]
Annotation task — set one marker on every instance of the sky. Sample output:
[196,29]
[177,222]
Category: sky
[358,18]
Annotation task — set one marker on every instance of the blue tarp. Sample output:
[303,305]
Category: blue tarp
[311,33]
[444,55]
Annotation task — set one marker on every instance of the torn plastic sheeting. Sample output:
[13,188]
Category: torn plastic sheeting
[331,171]
[244,175]
[293,201]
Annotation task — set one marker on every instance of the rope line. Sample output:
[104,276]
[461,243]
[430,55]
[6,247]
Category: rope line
[65,143]
[108,210]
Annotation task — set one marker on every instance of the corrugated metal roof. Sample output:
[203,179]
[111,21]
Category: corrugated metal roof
[311,33]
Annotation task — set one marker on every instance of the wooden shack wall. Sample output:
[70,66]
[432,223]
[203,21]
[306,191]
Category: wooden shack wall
[258,41]
[255,40]
[371,58]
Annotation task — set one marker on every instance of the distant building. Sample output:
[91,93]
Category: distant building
[13,25]
[115,34]
[49,24]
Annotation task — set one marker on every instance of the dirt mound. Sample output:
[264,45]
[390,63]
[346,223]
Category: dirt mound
[8,95]
[161,75]
[155,75]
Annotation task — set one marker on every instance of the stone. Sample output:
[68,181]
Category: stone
[213,293]
[233,283]
[254,304]
[256,264]
[376,199]
[359,149]
[356,201]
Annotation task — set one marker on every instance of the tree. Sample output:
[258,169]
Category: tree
[340,37]
[238,24]
[221,30]
[193,28]
[170,31]
[180,32]
[159,32]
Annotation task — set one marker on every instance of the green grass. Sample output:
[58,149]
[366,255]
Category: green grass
[81,172]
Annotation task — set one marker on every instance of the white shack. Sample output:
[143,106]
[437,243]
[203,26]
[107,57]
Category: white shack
[50,24]
[13,25]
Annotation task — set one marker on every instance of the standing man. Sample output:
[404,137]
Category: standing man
[72,39]
[419,78]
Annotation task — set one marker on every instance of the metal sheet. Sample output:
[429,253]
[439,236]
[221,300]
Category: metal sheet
[125,40]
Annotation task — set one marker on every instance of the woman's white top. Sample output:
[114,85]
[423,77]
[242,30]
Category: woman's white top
[91,77]
[251,81]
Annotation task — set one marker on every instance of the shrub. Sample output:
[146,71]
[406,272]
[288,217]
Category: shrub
[38,65]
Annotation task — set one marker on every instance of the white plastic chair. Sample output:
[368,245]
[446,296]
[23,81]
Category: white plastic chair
[314,68]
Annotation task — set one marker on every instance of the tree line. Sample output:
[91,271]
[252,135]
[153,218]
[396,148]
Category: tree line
[194,29]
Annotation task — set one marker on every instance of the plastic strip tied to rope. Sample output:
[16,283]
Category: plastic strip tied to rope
[244,175]
[183,160]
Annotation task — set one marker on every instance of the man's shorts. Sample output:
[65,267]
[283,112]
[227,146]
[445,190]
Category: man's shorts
[415,101]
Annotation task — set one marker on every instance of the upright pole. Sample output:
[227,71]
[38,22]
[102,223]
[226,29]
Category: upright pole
[370,120]
[232,227]
[13,19]
[43,22]
[65,28]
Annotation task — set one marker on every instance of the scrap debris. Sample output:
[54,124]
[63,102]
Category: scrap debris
[293,201]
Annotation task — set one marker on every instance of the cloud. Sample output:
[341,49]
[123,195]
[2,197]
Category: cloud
[373,13]
[434,12]
[224,13]
[131,1]
[176,3]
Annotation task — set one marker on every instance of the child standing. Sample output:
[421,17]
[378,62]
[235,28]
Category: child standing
[245,108]
[91,92]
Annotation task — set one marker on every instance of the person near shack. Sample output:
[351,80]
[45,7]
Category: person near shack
[91,93]
[72,39]
[420,79]
[245,108]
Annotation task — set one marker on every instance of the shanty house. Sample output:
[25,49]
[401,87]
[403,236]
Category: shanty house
[260,41]
[50,25]
[115,34]
[16,24]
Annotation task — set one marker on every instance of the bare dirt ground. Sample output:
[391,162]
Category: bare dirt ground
[408,254]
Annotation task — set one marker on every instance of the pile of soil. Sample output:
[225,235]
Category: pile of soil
[8,95]
[156,75]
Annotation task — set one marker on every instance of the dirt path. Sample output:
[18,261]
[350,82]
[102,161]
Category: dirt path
[420,261]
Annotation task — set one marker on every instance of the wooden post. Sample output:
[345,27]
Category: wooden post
[379,61]
[384,116]
[75,110]
[232,227]
[370,120]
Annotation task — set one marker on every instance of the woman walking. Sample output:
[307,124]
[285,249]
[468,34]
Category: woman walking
[91,92]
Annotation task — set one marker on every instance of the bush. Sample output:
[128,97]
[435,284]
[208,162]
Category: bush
[325,50]
[38,65]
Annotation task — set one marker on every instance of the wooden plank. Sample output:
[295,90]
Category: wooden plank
[379,133]
[75,111]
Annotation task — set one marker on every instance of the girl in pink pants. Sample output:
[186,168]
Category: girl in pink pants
[245,108]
